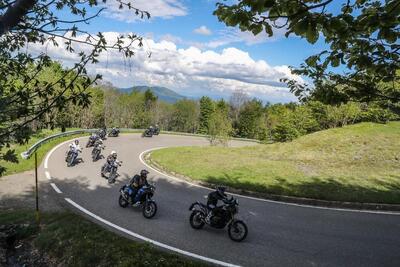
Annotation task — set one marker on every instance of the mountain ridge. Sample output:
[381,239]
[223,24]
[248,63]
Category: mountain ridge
[163,93]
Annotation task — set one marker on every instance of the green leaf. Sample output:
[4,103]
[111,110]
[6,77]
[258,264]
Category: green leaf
[312,33]
[312,61]
[268,30]
[300,27]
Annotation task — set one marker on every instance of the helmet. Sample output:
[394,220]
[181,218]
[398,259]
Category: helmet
[76,141]
[114,154]
[144,173]
[221,191]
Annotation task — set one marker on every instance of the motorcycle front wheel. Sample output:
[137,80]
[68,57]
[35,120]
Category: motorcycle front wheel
[237,231]
[122,202]
[196,219]
[149,209]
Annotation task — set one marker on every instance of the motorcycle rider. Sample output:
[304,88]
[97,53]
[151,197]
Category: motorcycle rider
[98,144]
[212,201]
[114,130]
[93,138]
[135,184]
[109,162]
[75,149]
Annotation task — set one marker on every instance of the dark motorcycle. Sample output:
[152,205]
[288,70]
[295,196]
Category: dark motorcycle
[102,133]
[111,170]
[156,131]
[92,140]
[96,152]
[148,205]
[148,133]
[114,132]
[222,217]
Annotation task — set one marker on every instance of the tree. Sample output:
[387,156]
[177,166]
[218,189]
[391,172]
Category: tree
[219,128]
[150,99]
[251,122]
[24,97]
[185,115]
[236,101]
[362,36]
[206,110]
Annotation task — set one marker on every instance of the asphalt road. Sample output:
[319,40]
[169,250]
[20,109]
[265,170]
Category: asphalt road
[279,234]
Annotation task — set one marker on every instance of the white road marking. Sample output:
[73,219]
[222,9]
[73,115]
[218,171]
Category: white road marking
[55,188]
[47,175]
[156,243]
[259,199]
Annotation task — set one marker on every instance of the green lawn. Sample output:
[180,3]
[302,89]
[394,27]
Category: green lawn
[359,163]
[67,239]
[26,165]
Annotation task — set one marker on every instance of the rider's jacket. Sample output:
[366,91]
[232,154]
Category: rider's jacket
[138,181]
[213,198]
[75,148]
[110,159]
[97,142]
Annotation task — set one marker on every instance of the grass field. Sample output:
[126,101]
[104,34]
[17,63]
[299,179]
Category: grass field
[66,239]
[358,163]
[29,164]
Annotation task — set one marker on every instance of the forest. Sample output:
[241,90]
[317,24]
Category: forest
[239,116]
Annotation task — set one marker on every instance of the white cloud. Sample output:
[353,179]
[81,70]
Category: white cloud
[157,8]
[185,70]
[203,30]
[234,35]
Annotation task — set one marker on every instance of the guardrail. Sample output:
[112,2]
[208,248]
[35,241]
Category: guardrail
[39,143]
[35,146]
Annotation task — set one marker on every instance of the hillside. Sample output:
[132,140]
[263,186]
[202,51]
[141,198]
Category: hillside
[354,163]
[162,93]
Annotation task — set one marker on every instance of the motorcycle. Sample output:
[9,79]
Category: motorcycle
[96,152]
[102,133]
[92,140]
[222,217]
[71,158]
[156,131]
[147,133]
[145,201]
[113,174]
[114,133]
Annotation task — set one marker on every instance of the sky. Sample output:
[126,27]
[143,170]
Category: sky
[192,52]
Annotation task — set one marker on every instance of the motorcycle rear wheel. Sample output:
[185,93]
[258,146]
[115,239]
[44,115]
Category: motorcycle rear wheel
[196,220]
[237,231]
[149,209]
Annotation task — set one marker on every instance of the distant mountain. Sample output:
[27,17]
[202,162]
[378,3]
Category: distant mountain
[162,93]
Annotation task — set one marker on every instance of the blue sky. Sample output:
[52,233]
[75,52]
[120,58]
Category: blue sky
[195,54]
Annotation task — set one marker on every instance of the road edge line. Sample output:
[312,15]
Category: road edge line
[146,239]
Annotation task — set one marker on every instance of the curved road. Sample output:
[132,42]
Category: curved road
[279,234]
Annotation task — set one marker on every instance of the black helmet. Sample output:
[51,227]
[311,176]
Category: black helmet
[221,191]
[144,173]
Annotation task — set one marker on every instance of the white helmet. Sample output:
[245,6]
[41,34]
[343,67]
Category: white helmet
[113,153]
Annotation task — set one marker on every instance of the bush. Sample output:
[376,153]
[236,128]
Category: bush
[285,132]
